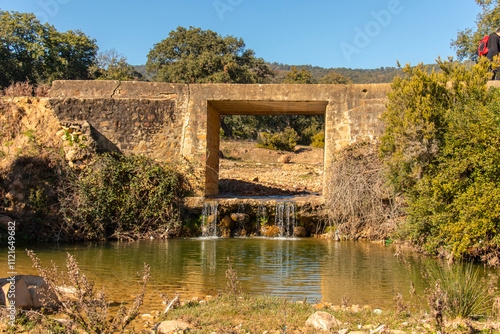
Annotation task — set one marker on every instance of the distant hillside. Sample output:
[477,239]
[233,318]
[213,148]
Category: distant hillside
[358,76]
[142,69]
[379,75]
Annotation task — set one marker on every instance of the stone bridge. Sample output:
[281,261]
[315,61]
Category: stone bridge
[180,122]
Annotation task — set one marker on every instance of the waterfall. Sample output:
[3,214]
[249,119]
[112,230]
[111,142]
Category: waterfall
[285,218]
[209,219]
[262,217]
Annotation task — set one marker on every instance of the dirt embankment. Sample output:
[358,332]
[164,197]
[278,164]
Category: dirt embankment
[247,170]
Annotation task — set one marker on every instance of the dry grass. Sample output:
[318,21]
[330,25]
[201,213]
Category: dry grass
[86,307]
[19,89]
[359,202]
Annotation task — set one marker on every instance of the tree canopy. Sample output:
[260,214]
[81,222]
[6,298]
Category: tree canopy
[111,65]
[487,22]
[334,78]
[295,76]
[38,53]
[202,56]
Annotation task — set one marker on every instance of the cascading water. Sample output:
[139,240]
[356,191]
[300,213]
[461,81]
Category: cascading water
[209,218]
[285,218]
[262,217]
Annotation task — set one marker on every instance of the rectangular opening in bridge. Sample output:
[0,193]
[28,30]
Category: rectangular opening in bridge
[223,178]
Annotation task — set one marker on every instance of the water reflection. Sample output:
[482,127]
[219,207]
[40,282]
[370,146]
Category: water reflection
[365,273]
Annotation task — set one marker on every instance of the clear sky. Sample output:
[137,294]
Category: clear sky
[327,33]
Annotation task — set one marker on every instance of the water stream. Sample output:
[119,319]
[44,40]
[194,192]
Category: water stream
[365,273]
[209,219]
[285,218]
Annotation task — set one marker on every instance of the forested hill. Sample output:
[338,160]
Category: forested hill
[357,76]
[379,75]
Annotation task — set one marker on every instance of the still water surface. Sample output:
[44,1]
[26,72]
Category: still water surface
[365,273]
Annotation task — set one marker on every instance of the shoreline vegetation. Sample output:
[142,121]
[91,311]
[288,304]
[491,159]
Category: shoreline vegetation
[457,301]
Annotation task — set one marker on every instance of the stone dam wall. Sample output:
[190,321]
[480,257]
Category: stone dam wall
[180,122]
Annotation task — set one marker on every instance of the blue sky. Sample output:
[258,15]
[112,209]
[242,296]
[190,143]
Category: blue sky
[334,33]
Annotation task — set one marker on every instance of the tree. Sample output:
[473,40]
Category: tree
[295,76]
[334,78]
[111,65]
[487,22]
[203,56]
[38,53]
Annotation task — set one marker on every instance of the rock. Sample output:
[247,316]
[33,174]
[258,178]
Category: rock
[255,179]
[355,308]
[225,226]
[343,331]
[227,222]
[322,321]
[377,311]
[22,296]
[379,329]
[40,293]
[172,326]
[211,219]
[271,231]
[285,159]
[73,154]
[240,217]
[68,292]
[300,232]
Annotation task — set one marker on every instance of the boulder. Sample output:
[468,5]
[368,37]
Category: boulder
[22,297]
[32,292]
[172,326]
[300,232]
[323,321]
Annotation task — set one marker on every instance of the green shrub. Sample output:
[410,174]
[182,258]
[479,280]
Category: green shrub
[124,196]
[318,140]
[283,141]
[441,146]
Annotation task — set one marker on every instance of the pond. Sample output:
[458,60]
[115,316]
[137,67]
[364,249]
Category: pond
[313,269]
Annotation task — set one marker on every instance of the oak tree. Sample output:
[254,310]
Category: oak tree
[38,53]
[202,56]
